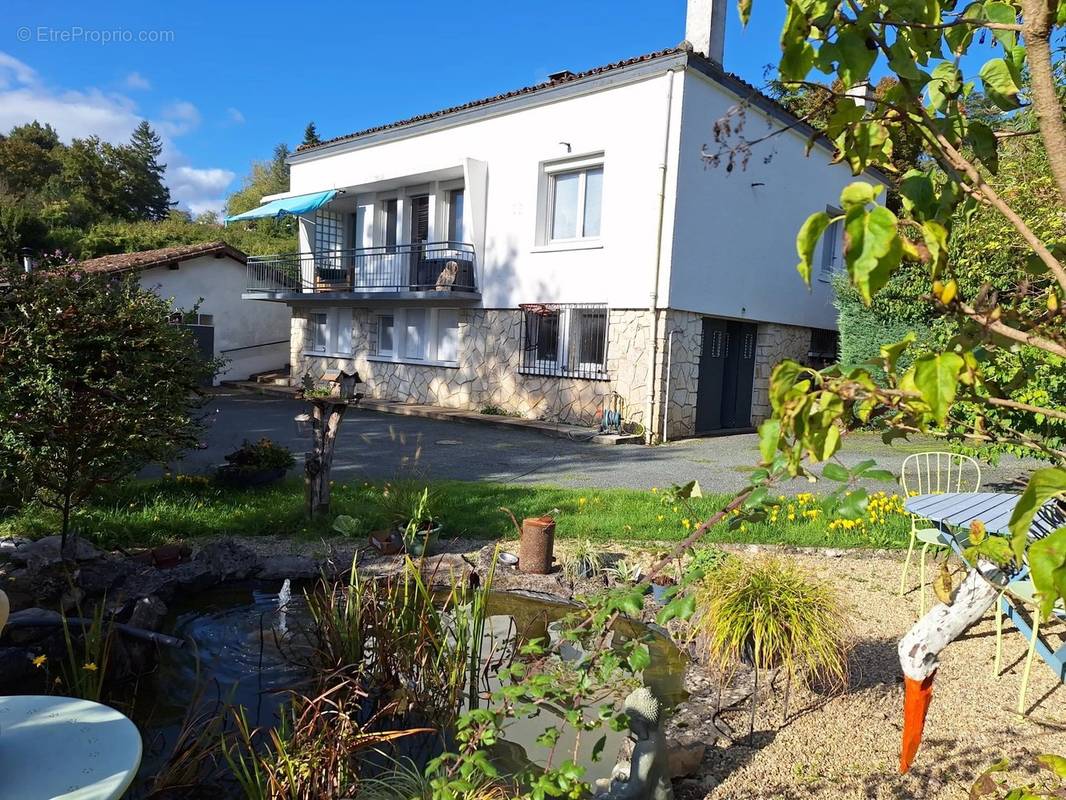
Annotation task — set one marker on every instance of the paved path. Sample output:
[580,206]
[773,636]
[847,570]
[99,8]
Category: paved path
[374,445]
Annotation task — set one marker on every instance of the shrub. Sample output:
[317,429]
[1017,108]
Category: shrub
[264,455]
[769,613]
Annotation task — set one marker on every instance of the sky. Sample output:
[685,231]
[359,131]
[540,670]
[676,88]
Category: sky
[224,82]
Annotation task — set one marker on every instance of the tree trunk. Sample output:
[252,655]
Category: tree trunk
[326,416]
[922,644]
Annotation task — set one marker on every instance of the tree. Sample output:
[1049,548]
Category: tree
[148,196]
[311,136]
[28,158]
[926,46]
[95,383]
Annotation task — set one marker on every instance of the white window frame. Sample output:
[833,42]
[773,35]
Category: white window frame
[333,338]
[832,247]
[549,172]
[319,332]
[431,332]
[379,318]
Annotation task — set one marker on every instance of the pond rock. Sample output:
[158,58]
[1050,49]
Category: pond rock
[228,560]
[101,575]
[47,551]
[192,576]
[285,566]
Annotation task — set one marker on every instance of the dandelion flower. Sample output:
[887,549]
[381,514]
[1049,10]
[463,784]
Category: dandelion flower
[40,661]
[89,666]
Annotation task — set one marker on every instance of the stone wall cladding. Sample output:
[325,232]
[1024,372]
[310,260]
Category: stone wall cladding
[487,373]
[680,355]
[774,344]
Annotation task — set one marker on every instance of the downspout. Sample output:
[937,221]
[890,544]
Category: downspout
[653,306]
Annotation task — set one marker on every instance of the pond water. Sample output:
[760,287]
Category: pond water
[240,651]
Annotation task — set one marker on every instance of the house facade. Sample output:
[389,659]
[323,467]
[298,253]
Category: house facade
[206,283]
[564,251]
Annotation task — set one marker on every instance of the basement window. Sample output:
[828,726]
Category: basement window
[565,340]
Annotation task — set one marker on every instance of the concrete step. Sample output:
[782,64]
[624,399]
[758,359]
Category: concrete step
[556,430]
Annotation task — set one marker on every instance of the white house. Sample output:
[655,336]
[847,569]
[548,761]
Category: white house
[210,278]
[562,250]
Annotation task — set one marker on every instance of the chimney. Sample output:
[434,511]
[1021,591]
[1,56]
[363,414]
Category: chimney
[705,27]
[863,96]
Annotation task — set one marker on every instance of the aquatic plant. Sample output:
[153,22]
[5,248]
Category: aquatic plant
[88,655]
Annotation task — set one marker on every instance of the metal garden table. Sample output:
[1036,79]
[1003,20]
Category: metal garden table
[62,748]
[959,509]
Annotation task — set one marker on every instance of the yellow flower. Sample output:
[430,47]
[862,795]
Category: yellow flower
[582,500]
[660,518]
[40,661]
[89,667]
[686,523]
[654,489]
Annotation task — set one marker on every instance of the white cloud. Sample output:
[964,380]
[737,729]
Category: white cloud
[112,116]
[179,118]
[234,116]
[136,80]
[199,189]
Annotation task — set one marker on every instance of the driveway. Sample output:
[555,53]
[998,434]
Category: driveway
[374,446]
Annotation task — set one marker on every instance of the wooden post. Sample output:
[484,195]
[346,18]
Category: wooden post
[326,417]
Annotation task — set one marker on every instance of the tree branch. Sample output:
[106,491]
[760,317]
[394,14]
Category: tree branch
[1022,337]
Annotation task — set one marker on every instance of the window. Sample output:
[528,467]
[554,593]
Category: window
[565,339]
[320,332]
[415,334]
[390,222]
[386,334]
[832,246]
[575,199]
[447,334]
[455,215]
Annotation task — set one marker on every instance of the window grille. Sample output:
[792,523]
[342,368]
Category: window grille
[566,340]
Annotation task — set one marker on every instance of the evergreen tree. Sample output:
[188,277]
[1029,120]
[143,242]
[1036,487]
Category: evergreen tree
[149,198]
[311,136]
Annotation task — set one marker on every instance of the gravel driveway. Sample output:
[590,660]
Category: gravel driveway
[376,445]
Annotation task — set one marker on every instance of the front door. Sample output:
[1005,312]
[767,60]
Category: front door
[419,236]
[727,370]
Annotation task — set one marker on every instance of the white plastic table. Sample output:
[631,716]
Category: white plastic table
[61,748]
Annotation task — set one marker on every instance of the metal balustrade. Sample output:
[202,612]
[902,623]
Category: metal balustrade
[422,267]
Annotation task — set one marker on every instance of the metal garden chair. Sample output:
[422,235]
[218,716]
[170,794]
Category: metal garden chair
[933,473]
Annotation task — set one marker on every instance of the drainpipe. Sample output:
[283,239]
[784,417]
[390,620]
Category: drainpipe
[653,305]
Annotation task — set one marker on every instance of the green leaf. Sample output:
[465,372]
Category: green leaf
[769,436]
[757,498]
[1004,14]
[1053,763]
[1000,84]
[872,249]
[891,352]
[744,9]
[597,749]
[807,240]
[916,192]
[640,659]
[859,194]
[835,472]
[935,236]
[936,377]
[1043,485]
[985,145]
[682,607]
[1047,565]
[854,504]
[854,56]
[945,85]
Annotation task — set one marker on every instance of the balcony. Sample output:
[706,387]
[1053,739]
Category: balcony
[427,270]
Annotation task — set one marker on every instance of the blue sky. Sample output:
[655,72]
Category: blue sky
[225,82]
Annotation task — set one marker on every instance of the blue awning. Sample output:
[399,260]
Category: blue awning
[296,205]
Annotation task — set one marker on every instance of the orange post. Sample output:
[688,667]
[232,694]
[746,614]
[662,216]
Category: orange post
[916,698]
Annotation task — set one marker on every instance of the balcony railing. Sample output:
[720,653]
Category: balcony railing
[423,267]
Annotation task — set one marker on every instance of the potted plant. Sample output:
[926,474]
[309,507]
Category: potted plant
[410,511]
[584,562]
[257,464]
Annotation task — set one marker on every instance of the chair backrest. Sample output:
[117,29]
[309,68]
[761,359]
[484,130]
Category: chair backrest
[936,473]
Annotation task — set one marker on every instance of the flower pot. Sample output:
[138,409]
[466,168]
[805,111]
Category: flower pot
[236,478]
[424,541]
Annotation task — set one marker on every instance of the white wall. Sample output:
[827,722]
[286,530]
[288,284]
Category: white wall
[627,123]
[238,323]
[734,251]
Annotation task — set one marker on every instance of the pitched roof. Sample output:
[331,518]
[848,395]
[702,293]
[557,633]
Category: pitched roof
[124,262]
[560,79]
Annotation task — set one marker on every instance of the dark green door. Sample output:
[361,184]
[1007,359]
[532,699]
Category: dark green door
[727,370]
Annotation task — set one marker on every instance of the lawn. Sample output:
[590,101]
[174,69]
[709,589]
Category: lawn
[184,507]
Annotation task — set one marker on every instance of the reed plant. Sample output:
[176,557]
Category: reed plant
[88,655]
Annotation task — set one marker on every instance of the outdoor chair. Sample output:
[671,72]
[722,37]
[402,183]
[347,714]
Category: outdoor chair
[933,473]
[1022,590]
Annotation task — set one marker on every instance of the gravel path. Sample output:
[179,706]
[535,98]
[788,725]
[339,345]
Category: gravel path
[848,746]
[376,446]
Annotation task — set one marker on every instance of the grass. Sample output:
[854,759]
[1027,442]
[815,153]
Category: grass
[154,512]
